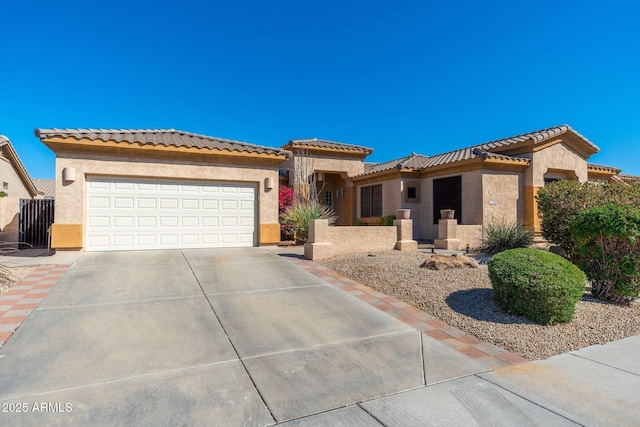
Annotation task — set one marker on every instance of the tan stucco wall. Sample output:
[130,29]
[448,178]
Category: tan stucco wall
[70,198]
[469,235]
[330,164]
[472,207]
[502,194]
[9,218]
[9,175]
[350,240]
[552,160]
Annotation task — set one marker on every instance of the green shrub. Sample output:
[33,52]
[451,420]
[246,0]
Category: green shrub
[607,249]
[300,213]
[541,286]
[386,220]
[498,236]
[560,202]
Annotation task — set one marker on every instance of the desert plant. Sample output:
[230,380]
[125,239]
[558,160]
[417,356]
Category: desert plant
[541,286]
[607,249]
[386,220]
[300,213]
[498,236]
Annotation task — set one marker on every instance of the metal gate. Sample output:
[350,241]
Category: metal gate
[36,216]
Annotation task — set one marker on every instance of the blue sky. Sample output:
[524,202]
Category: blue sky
[405,76]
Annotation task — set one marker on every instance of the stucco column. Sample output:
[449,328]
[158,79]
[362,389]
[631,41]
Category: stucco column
[349,205]
[531,217]
[447,235]
[318,246]
[405,235]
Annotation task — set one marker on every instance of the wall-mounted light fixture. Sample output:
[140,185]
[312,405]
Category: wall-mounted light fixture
[268,183]
[68,175]
[320,176]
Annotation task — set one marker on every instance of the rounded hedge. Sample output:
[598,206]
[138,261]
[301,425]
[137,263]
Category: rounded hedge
[541,286]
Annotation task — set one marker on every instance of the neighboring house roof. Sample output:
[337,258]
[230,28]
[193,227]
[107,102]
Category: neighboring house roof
[155,137]
[46,186]
[322,143]
[629,178]
[603,168]
[488,150]
[13,157]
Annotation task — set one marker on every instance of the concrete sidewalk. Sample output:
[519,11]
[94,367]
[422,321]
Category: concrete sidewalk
[248,337]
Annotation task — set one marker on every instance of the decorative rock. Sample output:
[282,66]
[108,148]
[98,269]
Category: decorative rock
[445,262]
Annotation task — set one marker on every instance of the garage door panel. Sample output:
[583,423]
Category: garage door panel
[168,203]
[123,241]
[147,240]
[190,203]
[147,221]
[125,214]
[123,221]
[98,203]
[190,221]
[146,203]
[123,185]
[123,202]
[210,205]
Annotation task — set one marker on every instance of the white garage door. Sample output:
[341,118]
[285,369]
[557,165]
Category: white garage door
[133,214]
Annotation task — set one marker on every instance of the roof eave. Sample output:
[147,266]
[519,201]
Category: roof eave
[55,143]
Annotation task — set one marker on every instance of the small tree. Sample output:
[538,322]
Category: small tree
[607,249]
[307,204]
[559,203]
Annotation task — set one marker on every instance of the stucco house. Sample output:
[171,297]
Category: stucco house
[495,180]
[152,189]
[16,185]
[128,189]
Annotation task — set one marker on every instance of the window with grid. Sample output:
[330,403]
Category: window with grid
[371,201]
[328,198]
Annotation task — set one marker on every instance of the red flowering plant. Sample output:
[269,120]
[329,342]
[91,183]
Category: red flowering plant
[285,201]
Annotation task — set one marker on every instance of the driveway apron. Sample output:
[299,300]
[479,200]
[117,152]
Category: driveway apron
[200,337]
[238,337]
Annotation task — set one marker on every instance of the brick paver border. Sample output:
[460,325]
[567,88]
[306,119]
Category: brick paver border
[485,353]
[20,300]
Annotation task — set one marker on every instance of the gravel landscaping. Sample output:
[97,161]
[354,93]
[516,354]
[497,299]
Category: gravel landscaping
[462,297]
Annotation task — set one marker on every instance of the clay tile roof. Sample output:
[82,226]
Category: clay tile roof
[166,137]
[322,143]
[536,137]
[489,149]
[46,186]
[414,161]
[629,177]
[604,168]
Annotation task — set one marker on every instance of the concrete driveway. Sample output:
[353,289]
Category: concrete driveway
[233,337]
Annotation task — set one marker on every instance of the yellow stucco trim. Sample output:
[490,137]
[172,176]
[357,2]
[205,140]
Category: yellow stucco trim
[269,234]
[56,143]
[531,217]
[66,236]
